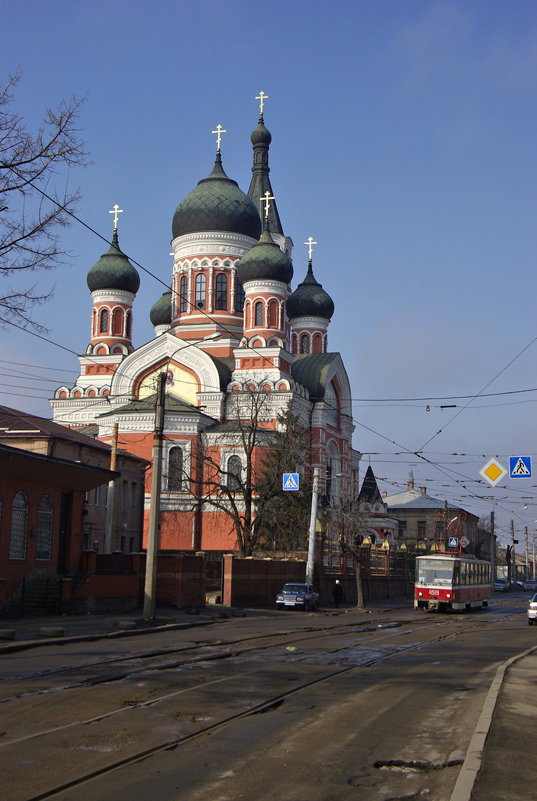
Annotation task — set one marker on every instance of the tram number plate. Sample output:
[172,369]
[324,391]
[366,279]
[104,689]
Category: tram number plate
[434,592]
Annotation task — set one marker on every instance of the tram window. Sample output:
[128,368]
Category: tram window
[456,573]
[462,568]
[435,571]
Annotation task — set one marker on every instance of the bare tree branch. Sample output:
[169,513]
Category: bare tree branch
[30,223]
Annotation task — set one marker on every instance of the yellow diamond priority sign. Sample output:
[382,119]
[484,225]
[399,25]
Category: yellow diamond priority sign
[493,471]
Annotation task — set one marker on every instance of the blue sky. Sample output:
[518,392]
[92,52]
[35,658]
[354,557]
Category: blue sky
[403,141]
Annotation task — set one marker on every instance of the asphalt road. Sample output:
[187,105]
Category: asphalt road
[281,707]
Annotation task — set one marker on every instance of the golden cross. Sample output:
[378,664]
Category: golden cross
[265,199]
[310,244]
[219,131]
[261,97]
[115,211]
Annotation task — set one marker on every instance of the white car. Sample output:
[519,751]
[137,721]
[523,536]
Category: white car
[532,610]
[302,595]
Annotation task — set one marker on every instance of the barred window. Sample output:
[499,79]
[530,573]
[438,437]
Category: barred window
[19,527]
[175,470]
[258,314]
[183,294]
[103,324]
[234,473]
[201,284]
[220,298]
[239,302]
[45,513]
[304,343]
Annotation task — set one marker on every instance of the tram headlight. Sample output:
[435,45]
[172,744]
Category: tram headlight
[420,593]
[448,595]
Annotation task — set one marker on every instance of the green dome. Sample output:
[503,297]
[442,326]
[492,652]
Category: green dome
[113,271]
[161,311]
[309,299]
[216,204]
[265,260]
[261,135]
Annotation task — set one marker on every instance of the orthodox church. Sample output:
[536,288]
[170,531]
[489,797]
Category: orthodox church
[229,325]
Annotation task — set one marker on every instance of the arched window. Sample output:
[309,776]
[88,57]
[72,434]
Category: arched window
[317,343]
[117,323]
[103,322]
[258,313]
[332,403]
[273,314]
[129,324]
[304,343]
[201,286]
[175,469]
[234,473]
[43,543]
[19,527]
[220,295]
[239,300]
[183,293]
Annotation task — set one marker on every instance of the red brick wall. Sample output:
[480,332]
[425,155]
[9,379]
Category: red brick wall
[255,582]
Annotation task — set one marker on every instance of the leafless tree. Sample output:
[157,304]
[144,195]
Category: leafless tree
[353,528]
[244,479]
[32,210]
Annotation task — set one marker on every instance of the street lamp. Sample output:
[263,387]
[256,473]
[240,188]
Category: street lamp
[150,594]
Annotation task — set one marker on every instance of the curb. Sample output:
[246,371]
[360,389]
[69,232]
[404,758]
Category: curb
[474,755]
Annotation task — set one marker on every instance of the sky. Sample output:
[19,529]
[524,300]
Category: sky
[403,141]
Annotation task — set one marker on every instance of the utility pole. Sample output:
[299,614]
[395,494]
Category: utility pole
[533,559]
[526,551]
[110,504]
[150,590]
[313,526]
[512,577]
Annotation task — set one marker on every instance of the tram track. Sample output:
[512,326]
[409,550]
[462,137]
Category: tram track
[386,631]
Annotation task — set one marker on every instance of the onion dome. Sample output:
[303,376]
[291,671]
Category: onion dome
[161,311]
[261,135]
[264,261]
[216,204]
[309,299]
[260,183]
[113,271]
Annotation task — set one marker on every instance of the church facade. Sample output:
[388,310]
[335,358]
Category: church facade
[229,330]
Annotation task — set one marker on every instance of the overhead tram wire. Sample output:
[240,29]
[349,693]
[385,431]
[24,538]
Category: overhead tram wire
[479,393]
[144,269]
[418,454]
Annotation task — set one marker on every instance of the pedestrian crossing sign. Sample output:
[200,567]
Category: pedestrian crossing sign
[290,481]
[520,467]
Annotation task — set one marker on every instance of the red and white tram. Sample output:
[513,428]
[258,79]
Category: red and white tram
[451,581]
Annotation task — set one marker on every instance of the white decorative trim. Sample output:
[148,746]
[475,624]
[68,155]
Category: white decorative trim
[114,295]
[222,243]
[165,346]
[314,323]
[266,286]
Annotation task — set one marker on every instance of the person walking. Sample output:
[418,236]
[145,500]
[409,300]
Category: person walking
[337,593]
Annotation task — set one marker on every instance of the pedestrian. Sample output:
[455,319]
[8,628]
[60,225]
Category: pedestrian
[337,593]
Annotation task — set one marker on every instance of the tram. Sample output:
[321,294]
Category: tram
[451,582]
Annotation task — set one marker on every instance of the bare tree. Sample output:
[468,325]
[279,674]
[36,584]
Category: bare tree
[244,478]
[353,528]
[32,210]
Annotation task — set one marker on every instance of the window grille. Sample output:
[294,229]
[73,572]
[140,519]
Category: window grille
[45,513]
[19,527]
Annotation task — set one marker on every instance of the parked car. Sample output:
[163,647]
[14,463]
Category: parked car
[530,584]
[532,610]
[301,595]
[501,585]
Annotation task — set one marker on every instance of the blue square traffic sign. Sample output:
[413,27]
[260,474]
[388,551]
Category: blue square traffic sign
[520,467]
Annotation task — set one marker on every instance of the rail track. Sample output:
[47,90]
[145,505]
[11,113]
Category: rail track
[283,663]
